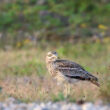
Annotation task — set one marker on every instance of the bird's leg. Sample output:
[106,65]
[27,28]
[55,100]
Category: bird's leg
[67,90]
[84,96]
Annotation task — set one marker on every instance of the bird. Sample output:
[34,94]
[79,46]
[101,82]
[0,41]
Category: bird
[69,71]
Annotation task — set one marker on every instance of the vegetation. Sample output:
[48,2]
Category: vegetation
[52,19]
[23,73]
[15,15]
[78,30]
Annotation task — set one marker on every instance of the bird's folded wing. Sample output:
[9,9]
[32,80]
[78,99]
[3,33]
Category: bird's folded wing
[73,70]
[67,64]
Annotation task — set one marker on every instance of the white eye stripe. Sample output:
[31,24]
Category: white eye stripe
[49,53]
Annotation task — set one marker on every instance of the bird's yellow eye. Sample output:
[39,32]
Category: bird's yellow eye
[49,55]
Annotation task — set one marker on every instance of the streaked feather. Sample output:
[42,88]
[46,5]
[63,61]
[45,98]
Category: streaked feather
[74,71]
[67,70]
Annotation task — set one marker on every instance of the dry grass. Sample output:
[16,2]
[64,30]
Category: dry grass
[23,73]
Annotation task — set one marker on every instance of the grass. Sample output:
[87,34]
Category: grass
[23,73]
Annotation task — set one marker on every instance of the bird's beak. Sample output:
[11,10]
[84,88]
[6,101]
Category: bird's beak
[55,57]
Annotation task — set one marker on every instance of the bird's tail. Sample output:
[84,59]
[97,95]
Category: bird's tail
[95,82]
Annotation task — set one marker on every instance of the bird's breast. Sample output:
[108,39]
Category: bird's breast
[51,70]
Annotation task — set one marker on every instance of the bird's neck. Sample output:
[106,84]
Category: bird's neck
[50,60]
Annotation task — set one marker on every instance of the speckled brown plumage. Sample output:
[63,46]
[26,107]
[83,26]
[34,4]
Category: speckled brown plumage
[68,70]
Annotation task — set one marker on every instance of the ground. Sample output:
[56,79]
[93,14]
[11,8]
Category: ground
[23,73]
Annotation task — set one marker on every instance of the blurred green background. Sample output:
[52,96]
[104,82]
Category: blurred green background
[78,30]
[53,20]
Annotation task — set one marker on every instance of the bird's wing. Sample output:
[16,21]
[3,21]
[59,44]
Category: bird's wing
[73,70]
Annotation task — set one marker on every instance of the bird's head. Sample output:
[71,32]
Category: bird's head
[51,56]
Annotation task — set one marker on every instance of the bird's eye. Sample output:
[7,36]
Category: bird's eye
[50,55]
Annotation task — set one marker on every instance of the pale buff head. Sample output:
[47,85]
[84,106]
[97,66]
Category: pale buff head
[51,56]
